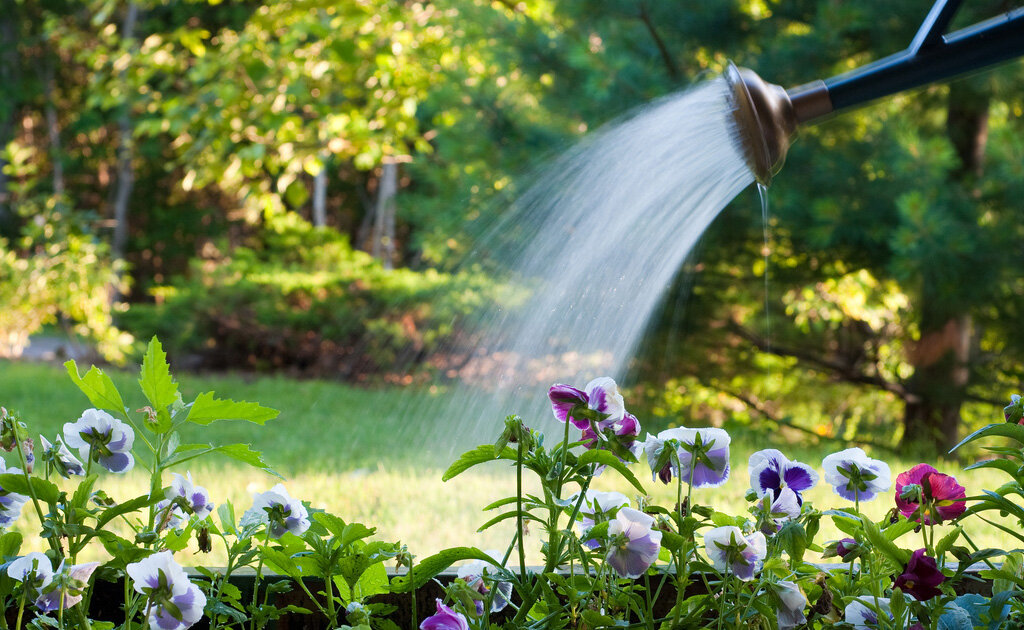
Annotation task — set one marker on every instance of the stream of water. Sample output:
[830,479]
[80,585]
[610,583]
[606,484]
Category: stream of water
[598,239]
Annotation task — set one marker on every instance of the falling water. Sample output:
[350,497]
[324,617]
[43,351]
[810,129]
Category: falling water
[598,241]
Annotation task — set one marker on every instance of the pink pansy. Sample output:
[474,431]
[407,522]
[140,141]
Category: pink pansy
[935,496]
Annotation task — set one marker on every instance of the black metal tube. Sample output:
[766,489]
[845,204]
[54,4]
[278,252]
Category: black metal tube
[932,58]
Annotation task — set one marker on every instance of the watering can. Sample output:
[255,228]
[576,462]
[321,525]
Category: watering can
[768,115]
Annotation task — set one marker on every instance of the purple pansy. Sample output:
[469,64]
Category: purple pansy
[855,476]
[770,470]
[182,496]
[632,545]
[102,438]
[173,601]
[618,437]
[921,577]
[703,456]
[597,507]
[59,458]
[279,511]
[10,502]
[731,551]
[845,547]
[781,507]
[445,619]
[600,396]
[67,587]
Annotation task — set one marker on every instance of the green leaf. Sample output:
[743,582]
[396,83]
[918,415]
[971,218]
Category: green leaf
[127,507]
[10,544]
[1003,429]
[244,454]
[595,456]
[19,484]
[479,455]
[1013,568]
[155,378]
[80,499]
[885,546]
[281,562]
[425,571]
[947,541]
[207,409]
[97,387]
[1004,465]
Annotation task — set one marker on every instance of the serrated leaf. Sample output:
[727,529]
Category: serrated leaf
[479,455]
[207,409]
[155,377]
[605,458]
[19,484]
[425,570]
[97,387]
[244,454]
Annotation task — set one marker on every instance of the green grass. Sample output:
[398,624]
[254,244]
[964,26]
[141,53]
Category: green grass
[342,449]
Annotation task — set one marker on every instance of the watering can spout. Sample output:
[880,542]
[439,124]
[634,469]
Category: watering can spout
[768,115]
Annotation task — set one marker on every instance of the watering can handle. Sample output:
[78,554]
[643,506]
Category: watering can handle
[932,56]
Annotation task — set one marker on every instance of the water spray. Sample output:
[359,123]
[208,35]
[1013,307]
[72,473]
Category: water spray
[768,115]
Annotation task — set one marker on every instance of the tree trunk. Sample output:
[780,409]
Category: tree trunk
[320,193]
[125,174]
[9,71]
[942,356]
[384,215]
[53,126]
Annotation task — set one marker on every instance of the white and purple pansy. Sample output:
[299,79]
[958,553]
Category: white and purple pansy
[770,470]
[480,575]
[597,507]
[703,456]
[59,458]
[856,477]
[183,496]
[172,600]
[34,569]
[102,438]
[792,603]
[730,551]
[279,511]
[600,400]
[633,545]
[67,587]
[10,502]
[863,613]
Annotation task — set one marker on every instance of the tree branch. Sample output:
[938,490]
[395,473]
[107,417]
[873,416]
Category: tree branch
[840,370]
[666,56]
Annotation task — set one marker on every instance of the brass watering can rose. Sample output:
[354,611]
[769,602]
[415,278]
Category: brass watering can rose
[767,115]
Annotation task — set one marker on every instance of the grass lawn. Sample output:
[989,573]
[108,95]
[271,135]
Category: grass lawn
[342,449]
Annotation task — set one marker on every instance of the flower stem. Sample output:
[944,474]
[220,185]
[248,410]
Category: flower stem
[259,574]
[519,511]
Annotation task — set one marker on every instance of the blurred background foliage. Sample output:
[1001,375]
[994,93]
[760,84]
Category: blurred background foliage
[291,185]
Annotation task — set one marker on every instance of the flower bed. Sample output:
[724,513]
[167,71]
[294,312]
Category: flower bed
[607,562]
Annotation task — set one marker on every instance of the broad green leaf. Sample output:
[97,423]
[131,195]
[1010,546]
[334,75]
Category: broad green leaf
[155,378]
[479,455]
[97,387]
[10,544]
[595,456]
[19,484]
[947,541]
[333,524]
[425,570]
[1013,574]
[1003,429]
[244,454]
[882,544]
[207,409]
[280,562]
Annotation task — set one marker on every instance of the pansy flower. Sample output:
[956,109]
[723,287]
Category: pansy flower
[182,496]
[600,401]
[618,437]
[921,577]
[863,613]
[67,587]
[597,507]
[279,511]
[729,550]
[479,576]
[34,570]
[445,619]
[792,603]
[933,496]
[59,458]
[770,470]
[1014,412]
[10,502]
[703,456]
[777,509]
[854,476]
[632,545]
[172,600]
[102,438]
